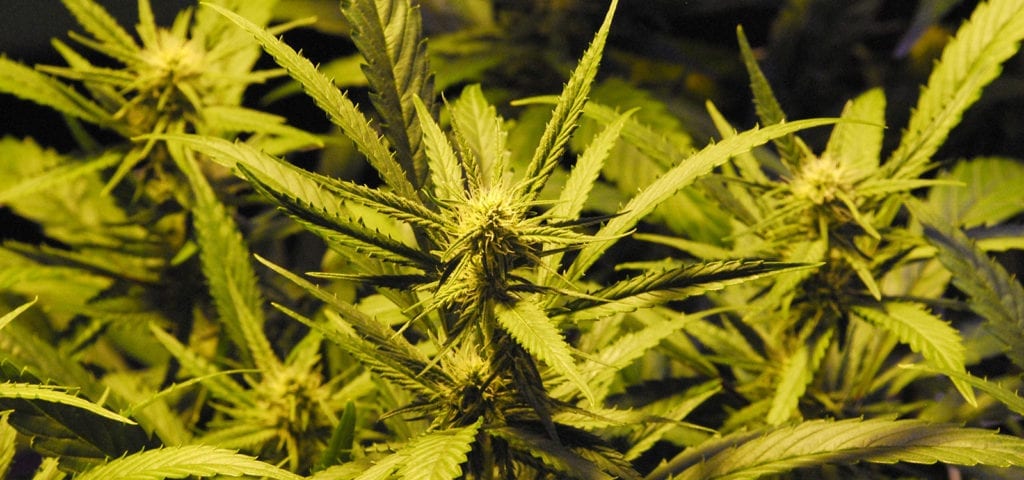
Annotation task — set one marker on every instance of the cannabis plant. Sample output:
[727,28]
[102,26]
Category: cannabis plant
[502,299]
[117,253]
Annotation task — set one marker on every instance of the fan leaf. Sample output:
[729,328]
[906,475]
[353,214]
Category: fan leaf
[438,455]
[567,112]
[185,461]
[535,332]
[660,286]
[338,107]
[993,293]
[937,341]
[225,259]
[683,174]
[820,442]
[970,61]
[28,84]
[388,34]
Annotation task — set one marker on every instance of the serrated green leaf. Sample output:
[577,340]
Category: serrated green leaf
[332,222]
[481,135]
[768,108]
[28,84]
[824,442]
[1012,400]
[224,255]
[80,432]
[62,174]
[184,461]
[434,455]
[994,293]
[684,406]
[58,395]
[527,323]
[438,455]
[388,34]
[688,170]
[856,145]
[49,469]
[97,21]
[221,386]
[565,117]
[657,287]
[599,371]
[240,435]
[586,171]
[371,341]
[990,192]
[664,145]
[970,61]
[311,198]
[241,119]
[938,342]
[798,372]
[338,107]
[792,385]
[445,169]
[554,455]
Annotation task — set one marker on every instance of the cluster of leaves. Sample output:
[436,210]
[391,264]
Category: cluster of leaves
[481,310]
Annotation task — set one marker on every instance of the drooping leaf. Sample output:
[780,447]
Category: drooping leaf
[336,225]
[28,356]
[795,377]
[63,174]
[303,195]
[389,36]
[80,432]
[993,293]
[824,442]
[567,112]
[599,371]
[338,107]
[374,343]
[185,461]
[241,119]
[970,61]
[926,334]
[52,394]
[535,332]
